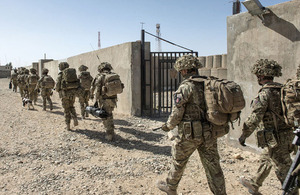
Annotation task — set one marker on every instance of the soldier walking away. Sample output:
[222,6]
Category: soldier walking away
[66,85]
[106,95]
[85,82]
[189,114]
[46,83]
[273,134]
[21,82]
[14,80]
[31,82]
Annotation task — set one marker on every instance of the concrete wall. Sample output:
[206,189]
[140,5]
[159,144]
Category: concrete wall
[248,40]
[215,65]
[125,59]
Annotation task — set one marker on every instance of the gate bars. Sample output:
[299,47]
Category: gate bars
[159,80]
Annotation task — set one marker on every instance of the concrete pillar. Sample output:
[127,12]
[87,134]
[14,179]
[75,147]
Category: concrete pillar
[202,60]
[205,72]
[224,61]
[222,73]
[209,62]
[217,61]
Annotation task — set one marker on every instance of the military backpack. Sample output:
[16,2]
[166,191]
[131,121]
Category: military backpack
[86,80]
[224,101]
[112,84]
[32,79]
[69,79]
[48,82]
[290,101]
[14,76]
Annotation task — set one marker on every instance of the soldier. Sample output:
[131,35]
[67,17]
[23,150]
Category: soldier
[85,82]
[108,103]
[67,95]
[31,82]
[273,135]
[46,83]
[14,80]
[188,113]
[21,82]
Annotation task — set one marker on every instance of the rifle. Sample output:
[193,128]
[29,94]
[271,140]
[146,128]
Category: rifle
[290,183]
[157,128]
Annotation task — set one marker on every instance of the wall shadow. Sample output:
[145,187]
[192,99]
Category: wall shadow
[282,27]
[125,143]
[142,134]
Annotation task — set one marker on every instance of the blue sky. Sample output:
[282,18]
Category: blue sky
[63,28]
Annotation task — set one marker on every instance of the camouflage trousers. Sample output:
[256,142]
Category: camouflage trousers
[22,91]
[279,157]
[108,105]
[84,101]
[68,100]
[46,93]
[182,150]
[32,93]
[15,86]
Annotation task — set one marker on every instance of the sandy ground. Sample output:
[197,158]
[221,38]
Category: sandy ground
[38,156]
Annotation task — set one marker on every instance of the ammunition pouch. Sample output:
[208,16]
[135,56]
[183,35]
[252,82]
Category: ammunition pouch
[191,130]
[267,138]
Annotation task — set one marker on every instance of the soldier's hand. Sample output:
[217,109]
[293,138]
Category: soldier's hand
[242,140]
[296,171]
[165,128]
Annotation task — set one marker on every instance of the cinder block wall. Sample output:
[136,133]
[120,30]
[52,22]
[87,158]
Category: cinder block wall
[248,40]
[125,59]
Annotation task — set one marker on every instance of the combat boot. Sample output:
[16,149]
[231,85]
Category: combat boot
[75,122]
[251,188]
[163,186]
[44,108]
[109,137]
[68,127]
[51,107]
[86,114]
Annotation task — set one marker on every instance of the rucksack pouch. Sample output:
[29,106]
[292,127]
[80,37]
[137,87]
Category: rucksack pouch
[70,85]
[112,85]
[69,75]
[33,79]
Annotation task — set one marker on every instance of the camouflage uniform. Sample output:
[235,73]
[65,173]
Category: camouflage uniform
[14,80]
[67,98]
[266,109]
[84,98]
[188,113]
[45,92]
[32,92]
[22,82]
[105,102]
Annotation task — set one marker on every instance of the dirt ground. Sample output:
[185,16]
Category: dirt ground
[38,156]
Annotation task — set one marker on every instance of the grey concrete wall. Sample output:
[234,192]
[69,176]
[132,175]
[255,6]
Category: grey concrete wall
[125,59]
[248,40]
[215,65]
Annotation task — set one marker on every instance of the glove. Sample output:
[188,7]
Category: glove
[296,171]
[165,128]
[242,140]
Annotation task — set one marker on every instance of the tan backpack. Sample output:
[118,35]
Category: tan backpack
[48,82]
[290,101]
[224,100]
[112,84]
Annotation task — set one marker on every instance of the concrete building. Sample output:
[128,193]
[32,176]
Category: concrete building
[5,71]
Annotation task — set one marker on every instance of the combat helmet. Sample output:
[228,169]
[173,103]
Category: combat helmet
[187,62]
[45,71]
[32,70]
[26,71]
[15,70]
[104,65]
[63,65]
[265,67]
[82,68]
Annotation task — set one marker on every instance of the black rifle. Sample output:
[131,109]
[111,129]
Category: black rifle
[290,183]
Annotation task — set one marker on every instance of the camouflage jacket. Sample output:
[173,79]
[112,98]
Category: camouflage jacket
[189,104]
[266,109]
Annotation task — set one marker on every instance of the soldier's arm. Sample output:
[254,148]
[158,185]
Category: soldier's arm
[181,97]
[58,82]
[259,107]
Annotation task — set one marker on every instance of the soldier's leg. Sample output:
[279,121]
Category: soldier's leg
[211,162]
[15,86]
[21,92]
[265,166]
[72,110]
[181,152]
[108,121]
[67,111]
[87,98]
[282,162]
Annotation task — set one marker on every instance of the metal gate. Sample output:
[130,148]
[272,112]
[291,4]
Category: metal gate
[159,81]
